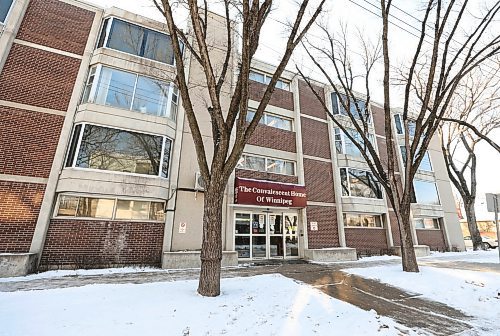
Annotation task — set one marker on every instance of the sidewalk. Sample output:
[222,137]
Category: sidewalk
[406,308]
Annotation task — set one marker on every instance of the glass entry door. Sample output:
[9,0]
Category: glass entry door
[266,235]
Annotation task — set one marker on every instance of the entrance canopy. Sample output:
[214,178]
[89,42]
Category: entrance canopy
[265,193]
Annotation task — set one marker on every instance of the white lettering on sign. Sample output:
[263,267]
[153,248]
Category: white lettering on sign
[314,226]
[182,227]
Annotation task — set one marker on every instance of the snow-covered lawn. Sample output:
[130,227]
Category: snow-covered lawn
[475,293]
[489,256]
[259,305]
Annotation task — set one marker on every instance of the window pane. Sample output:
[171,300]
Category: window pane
[158,47]
[275,166]
[242,223]
[166,158]
[102,37]
[259,224]
[352,220]
[119,150]
[257,77]
[95,207]
[289,168]
[344,182]
[425,192]
[72,147]
[67,205]
[132,210]
[363,184]
[399,123]
[115,88]
[157,212]
[254,163]
[151,96]
[126,37]
[425,164]
[4,9]
[259,247]
[88,86]
[242,246]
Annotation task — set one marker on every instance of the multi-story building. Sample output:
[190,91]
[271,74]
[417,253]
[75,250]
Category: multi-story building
[97,164]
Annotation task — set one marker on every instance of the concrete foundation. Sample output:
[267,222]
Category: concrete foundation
[420,250]
[331,254]
[191,259]
[17,264]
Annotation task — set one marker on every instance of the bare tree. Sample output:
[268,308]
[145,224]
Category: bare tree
[230,131]
[448,48]
[476,102]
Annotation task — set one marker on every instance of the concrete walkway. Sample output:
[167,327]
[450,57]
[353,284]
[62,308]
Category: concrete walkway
[406,308]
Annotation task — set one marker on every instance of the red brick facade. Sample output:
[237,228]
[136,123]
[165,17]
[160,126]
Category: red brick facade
[51,78]
[319,181]
[266,176]
[275,138]
[86,243]
[432,238]
[315,138]
[328,232]
[374,240]
[28,141]
[57,25]
[396,239]
[280,98]
[19,207]
[309,103]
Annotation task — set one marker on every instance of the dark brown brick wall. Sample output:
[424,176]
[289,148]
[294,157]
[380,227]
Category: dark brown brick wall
[56,24]
[280,98]
[382,150]
[315,138]
[28,141]
[366,239]
[275,138]
[101,243]
[432,238]
[309,103]
[266,176]
[394,229]
[19,207]
[37,77]
[318,177]
[378,115]
[328,233]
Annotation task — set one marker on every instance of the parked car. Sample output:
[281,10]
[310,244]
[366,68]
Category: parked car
[487,242]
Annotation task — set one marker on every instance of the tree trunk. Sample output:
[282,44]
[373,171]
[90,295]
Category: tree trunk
[470,213]
[211,249]
[409,259]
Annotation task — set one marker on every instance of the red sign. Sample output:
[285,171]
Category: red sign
[264,193]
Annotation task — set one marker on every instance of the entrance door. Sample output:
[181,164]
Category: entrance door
[266,235]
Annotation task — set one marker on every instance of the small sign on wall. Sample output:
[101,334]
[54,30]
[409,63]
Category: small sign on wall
[313,226]
[182,227]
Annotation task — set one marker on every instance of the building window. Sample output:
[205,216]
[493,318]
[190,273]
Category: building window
[400,129]
[359,183]
[272,120]
[344,145]
[125,90]
[426,223]
[263,164]
[136,40]
[109,208]
[5,6]
[338,108]
[118,150]
[359,220]
[425,164]
[266,79]
[425,192]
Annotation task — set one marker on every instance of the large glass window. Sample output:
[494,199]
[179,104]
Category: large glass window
[425,192]
[338,108]
[398,120]
[360,220]
[272,120]
[4,9]
[251,162]
[119,150]
[359,183]
[344,145]
[425,164]
[136,40]
[426,223]
[125,90]
[266,79]
[109,208]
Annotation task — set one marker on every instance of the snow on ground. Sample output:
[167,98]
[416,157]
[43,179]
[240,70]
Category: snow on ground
[260,305]
[475,293]
[489,256]
[78,272]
